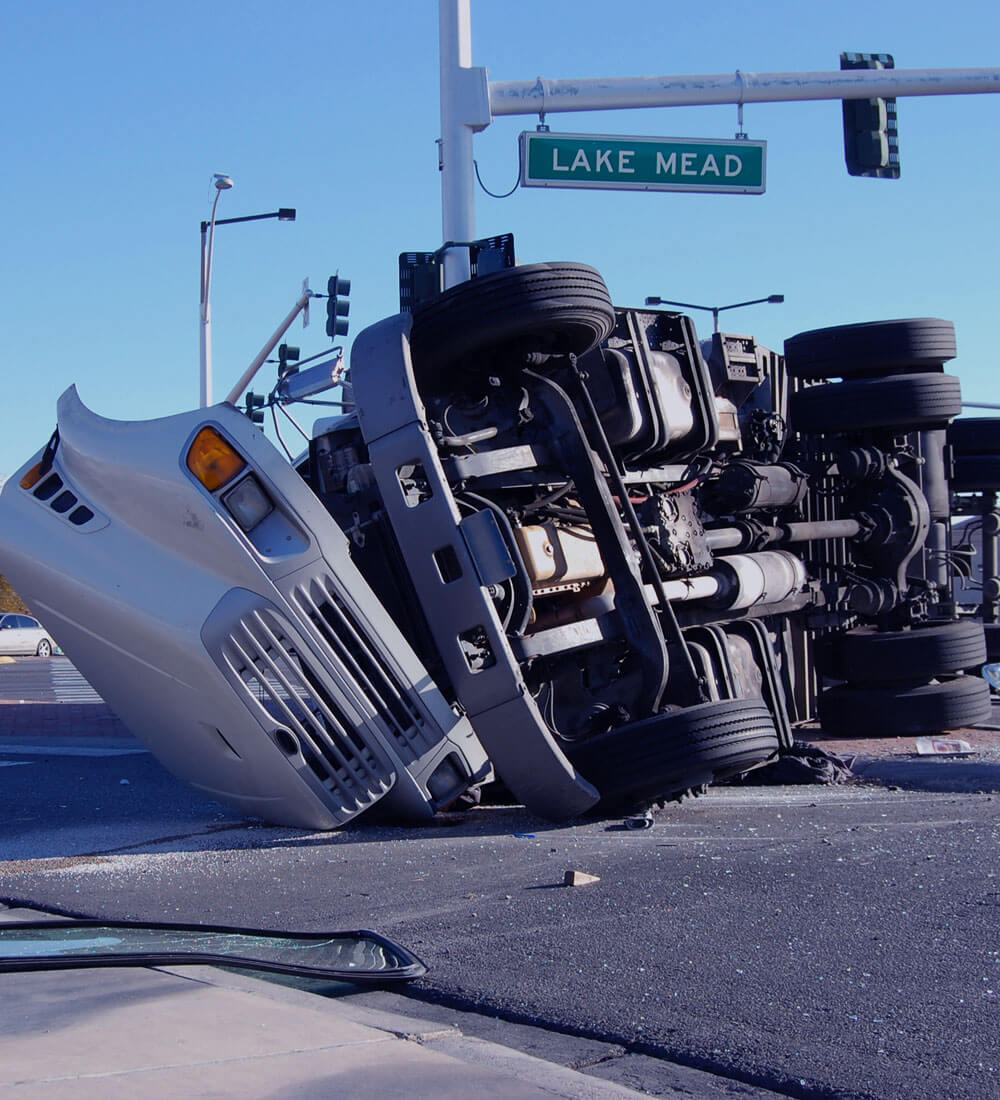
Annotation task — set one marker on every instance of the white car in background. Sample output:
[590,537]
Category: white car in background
[21,634]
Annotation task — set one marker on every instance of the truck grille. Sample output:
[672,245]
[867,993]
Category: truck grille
[393,704]
[311,722]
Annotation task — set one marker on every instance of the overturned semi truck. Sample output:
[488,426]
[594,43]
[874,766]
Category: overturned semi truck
[546,540]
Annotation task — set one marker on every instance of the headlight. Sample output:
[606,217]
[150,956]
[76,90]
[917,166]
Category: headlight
[247,503]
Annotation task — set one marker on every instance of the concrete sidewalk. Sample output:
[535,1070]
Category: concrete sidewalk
[199,1031]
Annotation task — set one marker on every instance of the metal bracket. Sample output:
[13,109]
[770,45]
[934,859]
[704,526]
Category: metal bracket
[740,134]
[474,95]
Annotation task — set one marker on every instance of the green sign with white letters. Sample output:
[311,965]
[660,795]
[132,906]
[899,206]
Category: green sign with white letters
[642,163]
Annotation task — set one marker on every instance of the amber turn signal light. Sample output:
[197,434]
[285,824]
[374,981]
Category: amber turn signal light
[32,477]
[212,460]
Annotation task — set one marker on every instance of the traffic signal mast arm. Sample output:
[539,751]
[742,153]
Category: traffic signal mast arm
[532,97]
[470,102]
[248,375]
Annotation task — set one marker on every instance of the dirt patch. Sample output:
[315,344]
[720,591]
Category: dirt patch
[985,742]
[9,599]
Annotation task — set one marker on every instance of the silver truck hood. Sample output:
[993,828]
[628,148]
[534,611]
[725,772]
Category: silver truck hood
[258,667]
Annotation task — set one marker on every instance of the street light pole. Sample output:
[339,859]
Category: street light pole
[652,300]
[222,183]
[285,214]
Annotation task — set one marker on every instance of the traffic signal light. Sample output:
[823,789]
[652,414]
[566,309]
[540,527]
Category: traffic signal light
[337,306]
[255,407]
[287,360]
[871,135]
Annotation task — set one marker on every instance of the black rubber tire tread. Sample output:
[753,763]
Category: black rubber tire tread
[903,401]
[662,756]
[976,473]
[557,307]
[975,435]
[992,631]
[848,711]
[869,656]
[864,350]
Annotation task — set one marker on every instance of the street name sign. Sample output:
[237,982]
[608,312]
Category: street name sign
[619,163]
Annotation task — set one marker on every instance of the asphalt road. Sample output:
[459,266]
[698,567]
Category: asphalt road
[835,942]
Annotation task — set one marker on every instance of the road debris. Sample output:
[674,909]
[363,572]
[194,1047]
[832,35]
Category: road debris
[943,746]
[802,763]
[579,878]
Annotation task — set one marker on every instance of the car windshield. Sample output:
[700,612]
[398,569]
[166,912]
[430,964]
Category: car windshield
[359,956]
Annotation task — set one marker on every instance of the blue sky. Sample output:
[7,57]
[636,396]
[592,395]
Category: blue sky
[116,115]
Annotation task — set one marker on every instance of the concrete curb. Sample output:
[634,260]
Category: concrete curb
[201,1031]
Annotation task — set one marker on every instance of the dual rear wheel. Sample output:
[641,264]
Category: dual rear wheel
[904,682]
[891,371]
[975,442]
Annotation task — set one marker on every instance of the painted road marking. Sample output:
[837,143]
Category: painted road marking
[67,750]
[69,686]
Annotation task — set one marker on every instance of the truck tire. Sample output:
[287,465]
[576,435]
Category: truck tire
[849,711]
[871,349]
[976,473]
[560,308]
[975,435]
[870,656]
[903,401]
[662,756]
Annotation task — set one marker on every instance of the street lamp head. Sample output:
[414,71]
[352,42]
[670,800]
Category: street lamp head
[652,300]
[222,183]
[286,215]
[776,297]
